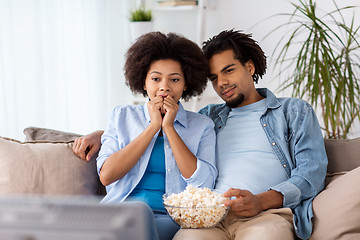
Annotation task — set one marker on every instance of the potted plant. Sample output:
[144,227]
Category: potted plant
[140,22]
[326,65]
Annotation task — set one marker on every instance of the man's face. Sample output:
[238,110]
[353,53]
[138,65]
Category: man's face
[231,80]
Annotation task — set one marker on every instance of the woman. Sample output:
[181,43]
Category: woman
[159,147]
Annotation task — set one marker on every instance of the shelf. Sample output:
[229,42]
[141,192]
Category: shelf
[177,8]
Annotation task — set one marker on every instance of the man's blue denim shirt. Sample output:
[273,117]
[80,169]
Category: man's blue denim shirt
[293,131]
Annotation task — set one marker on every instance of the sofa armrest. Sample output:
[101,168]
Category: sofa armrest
[45,134]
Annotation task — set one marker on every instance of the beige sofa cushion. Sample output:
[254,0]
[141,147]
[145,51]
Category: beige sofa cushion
[44,168]
[343,155]
[34,134]
[337,208]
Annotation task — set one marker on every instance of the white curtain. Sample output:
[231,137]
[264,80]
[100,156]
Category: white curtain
[61,63]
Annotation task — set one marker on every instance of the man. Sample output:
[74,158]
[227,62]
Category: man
[270,151]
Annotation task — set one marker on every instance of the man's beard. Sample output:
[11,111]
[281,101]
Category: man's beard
[236,101]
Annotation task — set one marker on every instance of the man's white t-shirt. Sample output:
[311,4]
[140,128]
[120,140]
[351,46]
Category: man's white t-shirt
[244,155]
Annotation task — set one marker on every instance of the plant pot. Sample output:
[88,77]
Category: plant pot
[139,28]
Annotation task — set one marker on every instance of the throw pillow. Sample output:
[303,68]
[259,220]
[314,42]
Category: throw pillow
[35,134]
[337,208]
[45,168]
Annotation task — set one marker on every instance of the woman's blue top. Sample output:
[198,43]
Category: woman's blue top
[152,185]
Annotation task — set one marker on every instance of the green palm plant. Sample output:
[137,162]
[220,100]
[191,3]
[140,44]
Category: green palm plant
[326,65]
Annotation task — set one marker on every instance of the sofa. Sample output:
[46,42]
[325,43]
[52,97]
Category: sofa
[44,164]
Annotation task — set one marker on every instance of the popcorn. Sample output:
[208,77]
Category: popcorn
[196,207]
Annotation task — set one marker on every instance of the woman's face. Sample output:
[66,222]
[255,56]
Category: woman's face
[165,78]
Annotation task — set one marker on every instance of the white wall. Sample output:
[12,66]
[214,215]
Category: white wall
[61,63]
[220,15]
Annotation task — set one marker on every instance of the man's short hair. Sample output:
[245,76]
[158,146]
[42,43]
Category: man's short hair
[245,48]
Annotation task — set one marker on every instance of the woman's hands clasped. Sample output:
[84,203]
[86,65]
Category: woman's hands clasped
[162,111]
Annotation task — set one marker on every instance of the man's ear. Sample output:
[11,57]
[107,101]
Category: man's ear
[250,66]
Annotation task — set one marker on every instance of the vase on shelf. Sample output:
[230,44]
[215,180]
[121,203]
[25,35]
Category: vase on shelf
[140,22]
[139,28]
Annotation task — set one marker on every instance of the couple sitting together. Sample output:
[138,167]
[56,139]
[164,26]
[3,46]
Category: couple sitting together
[264,152]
